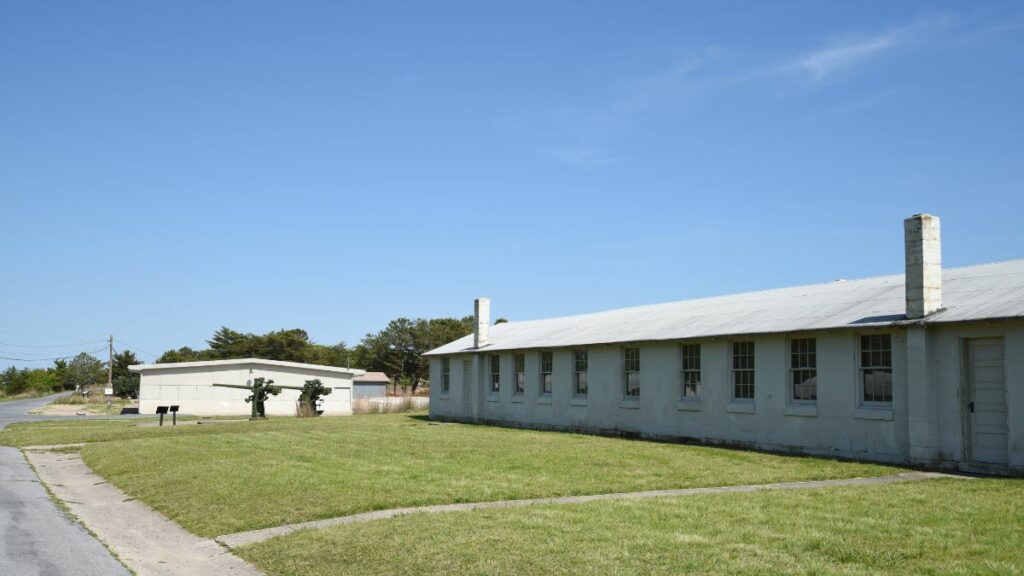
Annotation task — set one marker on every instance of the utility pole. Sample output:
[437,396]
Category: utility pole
[110,363]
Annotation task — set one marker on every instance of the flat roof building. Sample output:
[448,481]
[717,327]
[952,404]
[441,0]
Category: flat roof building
[190,385]
[924,367]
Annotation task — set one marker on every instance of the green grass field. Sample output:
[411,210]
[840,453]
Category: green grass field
[931,527]
[222,478]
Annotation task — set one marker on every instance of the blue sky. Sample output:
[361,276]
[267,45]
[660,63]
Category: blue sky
[167,168]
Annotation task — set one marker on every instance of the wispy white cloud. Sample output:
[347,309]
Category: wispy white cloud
[581,156]
[588,134]
[843,54]
[669,85]
[589,131]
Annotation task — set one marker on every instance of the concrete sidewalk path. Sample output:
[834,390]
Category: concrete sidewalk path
[254,536]
[36,537]
[145,540]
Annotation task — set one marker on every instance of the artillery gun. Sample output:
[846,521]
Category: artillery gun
[310,398]
[262,389]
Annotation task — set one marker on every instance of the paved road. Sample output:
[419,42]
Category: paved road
[36,537]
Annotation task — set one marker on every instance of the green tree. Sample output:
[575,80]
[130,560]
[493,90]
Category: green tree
[83,370]
[28,380]
[126,386]
[13,381]
[312,392]
[43,380]
[292,345]
[227,343]
[122,360]
[398,349]
[183,354]
[60,372]
[125,382]
[286,345]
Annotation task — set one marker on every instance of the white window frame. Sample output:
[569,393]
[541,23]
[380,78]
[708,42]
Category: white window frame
[802,362]
[733,371]
[495,371]
[688,372]
[518,374]
[861,370]
[446,374]
[630,373]
[546,377]
[577,373]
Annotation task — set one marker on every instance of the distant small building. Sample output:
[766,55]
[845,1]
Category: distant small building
[190,385]
[370,385]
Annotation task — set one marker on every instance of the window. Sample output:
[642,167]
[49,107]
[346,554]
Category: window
[495,373]
[691,371]
[580,374]
[446,370]
[742,370]
[803,369]
[631,372]
[545,372]
[876,368]
[519,376]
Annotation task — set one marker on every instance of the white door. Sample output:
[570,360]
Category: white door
[986,401]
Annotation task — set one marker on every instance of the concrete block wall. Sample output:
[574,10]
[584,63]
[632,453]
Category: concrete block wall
[837,425]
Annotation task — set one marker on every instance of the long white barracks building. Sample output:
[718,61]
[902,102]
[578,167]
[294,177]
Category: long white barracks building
[923,368]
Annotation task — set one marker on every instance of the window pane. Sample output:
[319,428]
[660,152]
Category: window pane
[633,384]
[581,383]
[743,370]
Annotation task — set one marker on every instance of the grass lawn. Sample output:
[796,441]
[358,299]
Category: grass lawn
[222,478]
[930,527]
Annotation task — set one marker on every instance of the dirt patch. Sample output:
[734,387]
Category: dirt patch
[81,409]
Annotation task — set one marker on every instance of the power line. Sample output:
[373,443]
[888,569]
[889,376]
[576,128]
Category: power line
[52,345]
[136,348]
[56,358]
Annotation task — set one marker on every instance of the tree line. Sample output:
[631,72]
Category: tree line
[78,373]
[397,350]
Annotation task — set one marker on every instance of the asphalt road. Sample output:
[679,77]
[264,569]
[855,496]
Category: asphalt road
[36,537]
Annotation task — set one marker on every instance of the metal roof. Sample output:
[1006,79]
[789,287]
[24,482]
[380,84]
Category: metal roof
[372,378]
[244,361]
[984,292]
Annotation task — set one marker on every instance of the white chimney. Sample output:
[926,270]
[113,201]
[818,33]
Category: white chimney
[924,265]
[482,321]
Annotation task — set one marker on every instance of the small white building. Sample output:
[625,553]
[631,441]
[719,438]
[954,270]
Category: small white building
[370,385]
[190,385]
[923,368]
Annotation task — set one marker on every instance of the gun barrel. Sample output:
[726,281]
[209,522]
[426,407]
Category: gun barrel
[239,386]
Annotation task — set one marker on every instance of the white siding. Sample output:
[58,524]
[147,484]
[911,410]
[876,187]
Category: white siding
[192,389]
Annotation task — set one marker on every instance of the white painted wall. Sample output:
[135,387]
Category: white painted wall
[192,389]
[945,350]
[837,425]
